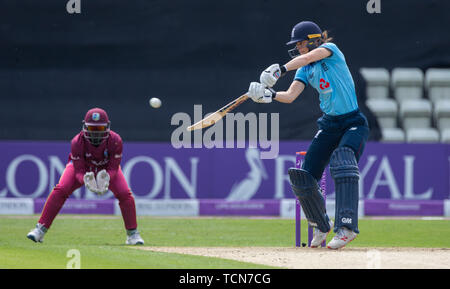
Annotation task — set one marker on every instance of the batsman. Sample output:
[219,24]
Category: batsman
[342,135]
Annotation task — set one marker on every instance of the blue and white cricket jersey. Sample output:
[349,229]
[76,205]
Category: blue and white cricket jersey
[332,79]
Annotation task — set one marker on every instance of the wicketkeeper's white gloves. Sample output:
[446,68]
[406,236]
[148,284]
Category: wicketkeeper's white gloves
[102,182]
[271,74]
[259,93]
[90,183]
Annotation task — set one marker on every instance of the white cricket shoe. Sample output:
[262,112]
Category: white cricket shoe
[37,234]
[133,238]
[319,237]
[342,238]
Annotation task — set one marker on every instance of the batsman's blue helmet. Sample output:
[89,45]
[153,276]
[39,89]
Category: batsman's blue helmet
[304,30]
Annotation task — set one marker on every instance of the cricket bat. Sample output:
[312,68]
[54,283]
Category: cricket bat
[218,115]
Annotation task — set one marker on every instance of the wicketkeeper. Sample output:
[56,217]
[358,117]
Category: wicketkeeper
[94,160]
[343,130]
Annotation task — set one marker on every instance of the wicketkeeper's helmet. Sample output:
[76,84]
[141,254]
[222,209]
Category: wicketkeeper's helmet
[96,126]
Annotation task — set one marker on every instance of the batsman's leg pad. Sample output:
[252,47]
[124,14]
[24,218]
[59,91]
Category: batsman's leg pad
[345,172]
[306,188]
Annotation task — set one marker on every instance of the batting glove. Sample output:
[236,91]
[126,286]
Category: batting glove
[271,74]
[258,93]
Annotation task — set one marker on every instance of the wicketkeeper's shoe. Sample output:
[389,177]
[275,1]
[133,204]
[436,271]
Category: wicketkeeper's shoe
[37,234]
[319,237]
[133,238]
[342,238]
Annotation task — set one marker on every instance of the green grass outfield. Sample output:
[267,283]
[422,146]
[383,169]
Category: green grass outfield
[100,240]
